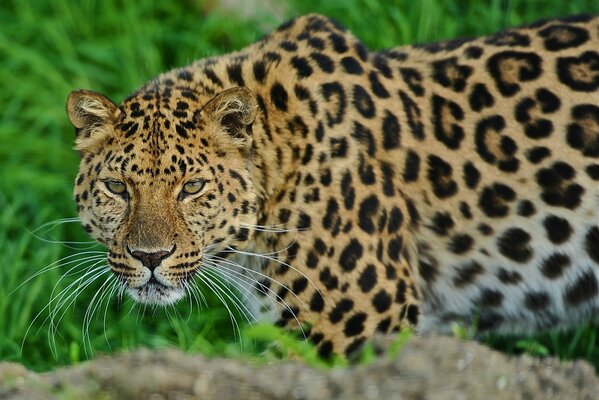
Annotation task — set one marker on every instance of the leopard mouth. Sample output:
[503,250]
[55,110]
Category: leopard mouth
[153,292]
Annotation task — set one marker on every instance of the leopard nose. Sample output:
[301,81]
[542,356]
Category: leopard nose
[150,260]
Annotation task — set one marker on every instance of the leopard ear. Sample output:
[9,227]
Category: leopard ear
[93,116]
[234,110]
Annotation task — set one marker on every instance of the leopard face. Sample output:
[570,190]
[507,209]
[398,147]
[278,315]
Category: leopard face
[163,181]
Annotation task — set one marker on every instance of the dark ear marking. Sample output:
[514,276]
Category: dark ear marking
[234,109]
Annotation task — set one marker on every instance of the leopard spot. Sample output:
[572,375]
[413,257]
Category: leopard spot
[328,279]
[558,229]
[413,78]
[365,137]
[325,349]
[388,173]
[384,325]
[583,131]
[556,186]
[508,38]
[350,255]
[467,274]
[442,223]
[447,116]
[381,63]
[382,301]
[394,248]
[302,66]
[494,200]
[368,278]
[560,37]
[450,74]
[259,70]
[368,209]
[508,277]
[279,96]
[471,175]
[235,74]
[592,244]
[580,73]
[514,244]
[428,271]
[510,68]
[480,97]
[377,87]
[414,116]
[593,171]
[335,98]
[490,298]
[299,285]
[493,146]
[391,131]
[411,167]
[395,220]
[526,208]
[536,301]
[363,102]
[354,347]
[460,243]
[366,171]
[553,267]
[537,154]
[474,52]
[528,113]
[355,324]
[440,176]
[338,146]
[584,289]
[324,62]
[342,307]
[351,65]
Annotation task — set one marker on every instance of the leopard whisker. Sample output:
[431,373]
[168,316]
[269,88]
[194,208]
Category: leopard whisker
[242,280]
[53,224]
[57,222]
[236,301]
[271,228]
[114,288]
[217,292]
[276,260]
[89,313]
[197,292]
[53,298]
[234,264]
[231,279]
[67,296]
[61,263]
[64,300]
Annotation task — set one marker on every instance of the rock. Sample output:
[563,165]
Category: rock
[426,368]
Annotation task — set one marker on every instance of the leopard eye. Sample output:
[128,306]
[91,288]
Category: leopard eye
[116,187]
[193,187]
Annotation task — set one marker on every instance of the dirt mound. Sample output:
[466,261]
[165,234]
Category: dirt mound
[426,368]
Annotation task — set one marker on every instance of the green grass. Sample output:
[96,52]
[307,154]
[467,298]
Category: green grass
[49,47]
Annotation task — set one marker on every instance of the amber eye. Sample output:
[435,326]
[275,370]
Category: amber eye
[116,187]
[193,187]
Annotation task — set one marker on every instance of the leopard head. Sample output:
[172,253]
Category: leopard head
[164,181]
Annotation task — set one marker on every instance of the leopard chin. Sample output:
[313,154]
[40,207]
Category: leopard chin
[155,293]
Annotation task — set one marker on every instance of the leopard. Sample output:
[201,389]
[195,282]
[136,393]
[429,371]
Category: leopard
[347,191]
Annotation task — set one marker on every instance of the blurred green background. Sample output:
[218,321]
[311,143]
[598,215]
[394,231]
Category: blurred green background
[49,47]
